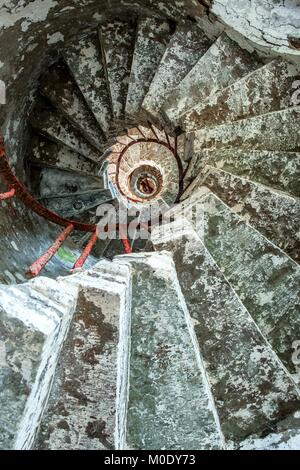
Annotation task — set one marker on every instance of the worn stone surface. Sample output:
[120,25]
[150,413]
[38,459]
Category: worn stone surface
[34,319]
[151,40]
[274,214]
[59,86]
[266,23]
[279,170]
[20,352]
[267,89]
[85,60]
[53,125]
[223,64]
[251,388]
[75,206]
[35,34]
[191,160]
[186,47]
[55,182]
[86,409]
[263,276]
[169,407]
[75,416]
[46,153]
[285,436]
[185,149]
[117,42]
[279,130]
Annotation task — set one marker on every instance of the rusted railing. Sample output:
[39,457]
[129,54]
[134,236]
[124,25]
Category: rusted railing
[17,189]
[41,262]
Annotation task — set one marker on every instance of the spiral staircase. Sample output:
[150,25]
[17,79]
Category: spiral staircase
[185,340]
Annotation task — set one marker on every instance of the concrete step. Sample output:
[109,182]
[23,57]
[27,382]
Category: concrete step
[61,89]
[85,61]
[185,149]
[76,206]
[117,43]
[51,124]
[250,386]
[274,214]
[152,38]
[277,131]
[169,404]
[278,170]
[55,182]
[263,276]
[86,408]
[186,47]
[267,89]
[49,154]
[32,329]
[223,64]
[283,436]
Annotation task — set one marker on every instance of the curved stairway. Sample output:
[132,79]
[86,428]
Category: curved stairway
[188,345]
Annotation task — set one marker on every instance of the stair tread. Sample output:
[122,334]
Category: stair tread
[86,63]
[29,328]
[274,131]
[251,388]
[55,182]
[117,42]
[22,348]
[47,153]
[223,64]
[53,125]
[169,407]
[274,214]
[186,46]
[75,207]
[267,89]
[264,277]
[90,352]
[277,169]
[151,40]
[185,148]
[60,88]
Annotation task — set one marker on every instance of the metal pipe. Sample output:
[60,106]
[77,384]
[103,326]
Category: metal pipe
[23,194]
[41,262]
[126,245]
[124,239]
[86,252]
[7,195]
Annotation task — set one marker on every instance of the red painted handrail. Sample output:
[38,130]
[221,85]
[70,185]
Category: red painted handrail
[17,189]
[41,262]
[23,194]
[86,252]
[8,195]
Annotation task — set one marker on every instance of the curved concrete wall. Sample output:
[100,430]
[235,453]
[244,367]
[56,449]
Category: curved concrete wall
[273,24]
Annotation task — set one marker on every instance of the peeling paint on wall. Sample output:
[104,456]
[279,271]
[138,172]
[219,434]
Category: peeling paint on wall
[33,12]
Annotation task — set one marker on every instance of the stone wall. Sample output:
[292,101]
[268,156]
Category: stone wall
[272,24]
